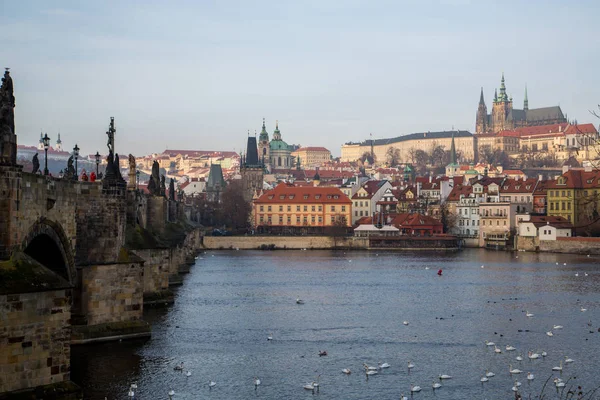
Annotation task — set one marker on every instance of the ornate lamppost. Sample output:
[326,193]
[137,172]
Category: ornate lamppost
[97,155]
[46,141]
[76,156]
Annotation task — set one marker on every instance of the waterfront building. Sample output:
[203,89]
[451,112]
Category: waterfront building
[519,192]
[541,227]
[311,157]
[505,117]
[497,220]
[574,195]
[301,209]
[413,224]
[465,144]
[364,201]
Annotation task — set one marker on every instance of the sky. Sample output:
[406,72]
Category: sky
[200,74]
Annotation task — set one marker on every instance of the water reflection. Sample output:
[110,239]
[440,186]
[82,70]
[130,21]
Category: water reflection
[355,303]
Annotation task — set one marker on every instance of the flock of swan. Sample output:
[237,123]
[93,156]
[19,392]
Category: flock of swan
[371,370]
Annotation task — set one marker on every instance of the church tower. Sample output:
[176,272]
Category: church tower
[263,144]
[481,122]
[251,170]
[501,109]
[526,101]
[58,144]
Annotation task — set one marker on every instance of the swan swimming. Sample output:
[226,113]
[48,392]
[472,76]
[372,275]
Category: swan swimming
[299,301]
[510,348]
[559,383]
[489,374]
[179,367]
[530,376]
[583,309]
[410,365]
[436,385]
[384,365]
[444,376]
[189,373]
[171,393]
[415,388]
[346,371]
[211,384]
[533,355]
[484,379]
[270,337]
[519,358]
[544,354]
[405,322]
[549,333]
[557,327]
[309,386]
[487,343]
[559,368]
[568,360]
[514,370]
[528,314]
[370,368]
[256,382]
[403,397]
[497,350]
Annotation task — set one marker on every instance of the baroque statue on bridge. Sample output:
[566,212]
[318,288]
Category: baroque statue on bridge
[8,139]
[163,187]
[111,135]
[36,164]
[154,183]
[172,189]
[70,172]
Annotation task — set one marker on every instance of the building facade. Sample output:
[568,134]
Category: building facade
[311,157]
[290,209]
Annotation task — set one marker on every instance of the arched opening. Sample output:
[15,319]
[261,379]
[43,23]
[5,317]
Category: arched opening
[279,162]
[44,250]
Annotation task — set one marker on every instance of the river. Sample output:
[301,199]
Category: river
[354,307]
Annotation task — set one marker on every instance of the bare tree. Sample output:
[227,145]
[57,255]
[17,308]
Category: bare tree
[367,156]
[412,155]
[392,156]
[234,210]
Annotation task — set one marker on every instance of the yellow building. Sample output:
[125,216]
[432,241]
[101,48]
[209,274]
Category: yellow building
[312,156]
[310,208]
[406,145]
[574,196]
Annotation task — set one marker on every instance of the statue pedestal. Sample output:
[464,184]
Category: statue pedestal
[131,185]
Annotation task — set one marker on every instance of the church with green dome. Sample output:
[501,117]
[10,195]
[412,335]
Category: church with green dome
[275,153]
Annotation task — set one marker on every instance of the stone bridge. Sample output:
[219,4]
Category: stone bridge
[77,261]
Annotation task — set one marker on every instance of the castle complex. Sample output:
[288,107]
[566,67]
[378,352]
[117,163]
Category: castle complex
[505,117]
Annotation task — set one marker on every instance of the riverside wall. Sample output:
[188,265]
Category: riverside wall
[568,245]
[283,242]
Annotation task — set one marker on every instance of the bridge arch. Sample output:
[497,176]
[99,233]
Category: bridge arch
[47,243]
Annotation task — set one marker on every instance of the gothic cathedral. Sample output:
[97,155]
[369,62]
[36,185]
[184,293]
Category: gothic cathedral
[505,117]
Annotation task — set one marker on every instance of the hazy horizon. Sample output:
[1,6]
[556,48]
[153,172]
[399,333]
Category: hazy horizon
[199,76]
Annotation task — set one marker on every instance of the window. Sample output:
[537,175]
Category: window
[332,208]
[312,219]
[281,219]
[343,208]
[313,208]
[355,214]
[563,193]
[280,208]
[305,220]
[563,206]
[297,208]
[497,222]
[305,197]
[268,208]
[551,206]
[289,208]
[262,219]
[504,223]
[320,208]
[289,220]
[262,208]
[320,219]
[569,206]
[318,196]
[305,208]
[297,219]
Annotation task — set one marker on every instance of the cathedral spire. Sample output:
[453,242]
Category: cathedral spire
[526,101]
[481,101]
[495,95]
[452,151]
[503,96]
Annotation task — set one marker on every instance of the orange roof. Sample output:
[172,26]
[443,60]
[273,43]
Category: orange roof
[583,128]
[578,179]
[555,221]
[287,193]
[513,172]
[518,185]
[458,190]
[541,129]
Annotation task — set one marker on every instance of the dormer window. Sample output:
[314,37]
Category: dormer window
[317,196]
[291,196]
[329,196]
[518,187]
[282,196]
[270,197]
[336,196]
[305,197]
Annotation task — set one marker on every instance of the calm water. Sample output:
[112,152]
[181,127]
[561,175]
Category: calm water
[355,303]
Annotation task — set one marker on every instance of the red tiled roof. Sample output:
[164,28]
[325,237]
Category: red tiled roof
[286,193]
[578,179]
[513,172]
[458,190]
[518,185]
[555,221]
[583,128]
[541,129]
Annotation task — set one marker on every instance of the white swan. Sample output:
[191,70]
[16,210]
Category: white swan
[346,371]
[171,393]
[444,376]
[403,397]
[189,373]
[256,382]
[270,337]
[299,301]
[585,274]
[514,370]
[583,309]
[483,266]
[544,354]
[519,358]
[568,360]
[368,368]
[369,372]
[179,367]
[384,365]
[510,348]
[211,384]
[530,376]
[549,333]
[484,379]
[559,368]
[309,386]
[576,273]
[436,385]
[414,389]
[410,365]
[555,327]
[489,374]
[564,263]
[133,386]
[515,389]
[528,314]
[533,355]
[517,383]
[131,393]
[426,267]
[497,350]
[488,343]
[405,322]
[559,383]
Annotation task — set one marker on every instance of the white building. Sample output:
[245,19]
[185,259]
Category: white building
[364,201]
[467,212]
[544,227]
